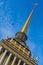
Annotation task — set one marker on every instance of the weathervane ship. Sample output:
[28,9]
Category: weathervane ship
[14,51]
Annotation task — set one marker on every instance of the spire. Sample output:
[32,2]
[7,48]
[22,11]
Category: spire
[22,34]
[25,27]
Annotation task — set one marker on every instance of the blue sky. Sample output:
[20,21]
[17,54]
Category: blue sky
[13,14]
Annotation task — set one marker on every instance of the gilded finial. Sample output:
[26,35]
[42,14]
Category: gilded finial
[25,27]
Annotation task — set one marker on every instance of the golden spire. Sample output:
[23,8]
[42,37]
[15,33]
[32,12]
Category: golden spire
[25,27]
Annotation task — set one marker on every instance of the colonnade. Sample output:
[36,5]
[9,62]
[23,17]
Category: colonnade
[9,57]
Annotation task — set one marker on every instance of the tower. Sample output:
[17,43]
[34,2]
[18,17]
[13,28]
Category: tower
[14,51]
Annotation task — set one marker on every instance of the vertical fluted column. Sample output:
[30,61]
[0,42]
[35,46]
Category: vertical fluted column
[19,62]
[7,61]
[14,60]
[24,63]
[3,56]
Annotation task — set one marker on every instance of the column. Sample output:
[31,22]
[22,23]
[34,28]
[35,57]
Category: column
[14,43]
[14,60]
[23,50]
[11,40]
[19,47]
[19,62]
[1,48]
[28,53]
[3,56]
[8,59]
[24,63]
